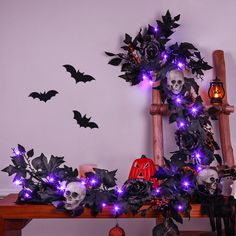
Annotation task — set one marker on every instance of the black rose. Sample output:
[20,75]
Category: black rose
[151,50]
[137,191]
[188,140]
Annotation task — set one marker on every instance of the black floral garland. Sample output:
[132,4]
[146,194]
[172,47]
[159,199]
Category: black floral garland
[41,178]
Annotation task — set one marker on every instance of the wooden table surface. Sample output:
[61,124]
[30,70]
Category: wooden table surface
[14,217]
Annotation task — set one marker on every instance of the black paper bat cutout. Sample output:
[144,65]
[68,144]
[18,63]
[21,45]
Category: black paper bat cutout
[45,96]
[84,121]
[77,75]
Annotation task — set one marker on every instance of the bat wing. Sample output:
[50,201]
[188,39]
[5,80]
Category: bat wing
[78,117]
[92,125]
[35,95]
[51,93]
[71,70]
[87,78]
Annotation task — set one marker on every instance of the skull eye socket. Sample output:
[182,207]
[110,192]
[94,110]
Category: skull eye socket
[147,165]
[212,179]
[173,81]
[179,82]
[68,193]
[74,195]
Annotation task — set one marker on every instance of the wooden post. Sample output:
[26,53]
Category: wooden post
[226,147]
[157,129]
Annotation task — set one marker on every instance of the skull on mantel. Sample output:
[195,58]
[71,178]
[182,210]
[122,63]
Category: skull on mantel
[74,194]
[209,178]
[175,81]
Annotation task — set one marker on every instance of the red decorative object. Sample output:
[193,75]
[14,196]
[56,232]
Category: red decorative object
[143,168]
[117,231]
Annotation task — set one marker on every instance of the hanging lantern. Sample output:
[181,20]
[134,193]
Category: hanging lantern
[117,231]
[216,91]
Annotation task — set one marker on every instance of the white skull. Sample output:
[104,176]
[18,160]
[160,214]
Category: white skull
[75,193]
[209,178]
[175,81]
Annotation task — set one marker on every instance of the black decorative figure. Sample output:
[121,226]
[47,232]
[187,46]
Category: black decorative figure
[83,121]
[77,75]
[45,96]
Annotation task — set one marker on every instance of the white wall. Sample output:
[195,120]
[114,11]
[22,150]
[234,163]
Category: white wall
[38,37]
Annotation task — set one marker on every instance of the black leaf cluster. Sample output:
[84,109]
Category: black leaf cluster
[145,52]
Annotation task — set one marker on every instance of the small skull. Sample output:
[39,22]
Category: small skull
[209,178]
[175,81]
[74,194]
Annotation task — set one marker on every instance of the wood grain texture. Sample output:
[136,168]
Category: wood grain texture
[224,127]
[10,210]
[157,130]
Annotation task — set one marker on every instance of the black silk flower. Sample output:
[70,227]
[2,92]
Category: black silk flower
[151,51]
[137,191]
[187,140]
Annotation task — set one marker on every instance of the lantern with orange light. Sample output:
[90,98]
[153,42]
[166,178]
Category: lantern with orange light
[216,91]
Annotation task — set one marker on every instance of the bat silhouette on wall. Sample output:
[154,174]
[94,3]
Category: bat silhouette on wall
[77,75]
[45,96]
[83,121]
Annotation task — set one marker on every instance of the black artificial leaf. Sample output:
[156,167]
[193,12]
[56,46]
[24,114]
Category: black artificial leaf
[167,162]
[176,18]
[128,39]
[138,38]
[188,46]
[108,177]
[126,67]
[216,146]
[110,54]
[213,112]
[126,48]
[30,153]
[218,158]
[21,148]
[173,117]
[115,61]
[19,161]
[162,173]
[55,162]
[40,162]
[10,170]
[198,54]
[175,25]
[198,99]
[176,216]
[190,82]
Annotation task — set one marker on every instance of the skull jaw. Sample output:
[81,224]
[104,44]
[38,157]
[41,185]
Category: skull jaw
[211,187]
[72,204]
[175,90]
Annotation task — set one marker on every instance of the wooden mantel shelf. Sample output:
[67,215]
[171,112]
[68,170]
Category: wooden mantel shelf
[10,210]
[14,217]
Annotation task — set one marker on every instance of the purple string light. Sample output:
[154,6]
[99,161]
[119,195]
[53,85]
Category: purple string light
[116,208]
[181,124]
[180,207]
[18,182]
